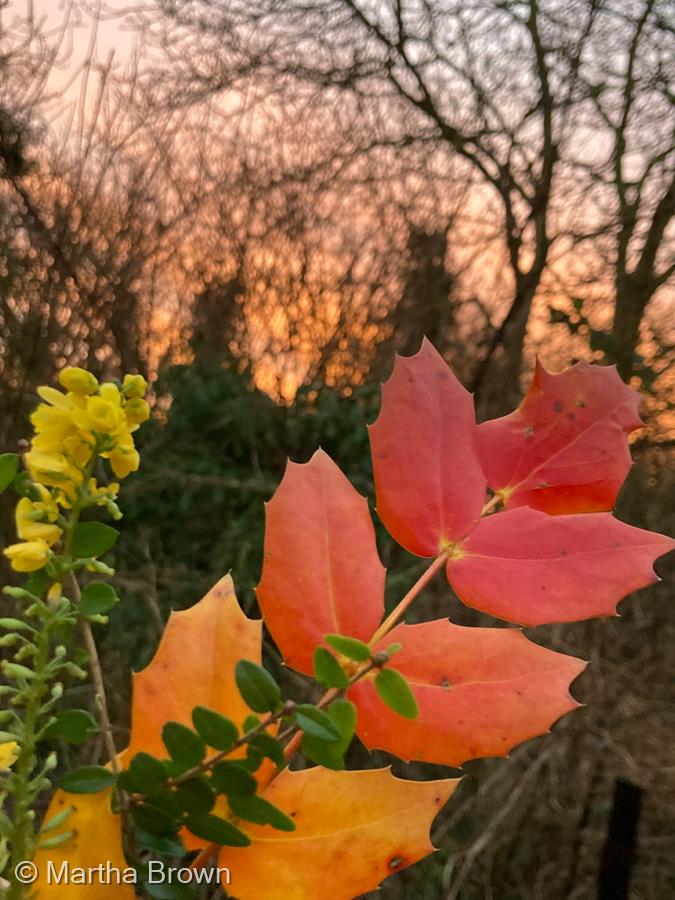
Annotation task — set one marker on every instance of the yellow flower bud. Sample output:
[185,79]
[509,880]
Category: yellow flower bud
[79,381]
[54,592]
[28,556]
[134,386]
[9,753]
[136,411]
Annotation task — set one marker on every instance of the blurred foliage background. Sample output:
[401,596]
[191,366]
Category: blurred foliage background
[255,205]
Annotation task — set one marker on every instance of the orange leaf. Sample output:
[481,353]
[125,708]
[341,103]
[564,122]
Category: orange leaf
[564,450]
[353,829]
[480,691]
[429,483]
[321,571]
[194,666]
[528,567]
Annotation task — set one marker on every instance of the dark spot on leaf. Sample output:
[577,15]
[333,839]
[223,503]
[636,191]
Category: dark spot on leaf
[581,403]
[571,416]
[563,552]
[529,431]
[396,862]
[557,406]
[445,682]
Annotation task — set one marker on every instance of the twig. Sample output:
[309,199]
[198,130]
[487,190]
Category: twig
[97,678]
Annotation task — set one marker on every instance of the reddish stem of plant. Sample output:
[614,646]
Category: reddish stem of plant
[419,586]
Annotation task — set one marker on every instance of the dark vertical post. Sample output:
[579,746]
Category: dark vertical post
[619,850]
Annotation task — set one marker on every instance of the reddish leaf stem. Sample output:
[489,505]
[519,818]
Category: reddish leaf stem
[419,586]
[494,501]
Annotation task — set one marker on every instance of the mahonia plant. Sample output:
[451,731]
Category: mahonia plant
[516,511]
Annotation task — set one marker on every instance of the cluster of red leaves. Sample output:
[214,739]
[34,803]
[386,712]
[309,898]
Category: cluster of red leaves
[554,554]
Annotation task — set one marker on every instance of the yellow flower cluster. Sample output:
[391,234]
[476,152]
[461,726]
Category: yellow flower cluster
[72,429]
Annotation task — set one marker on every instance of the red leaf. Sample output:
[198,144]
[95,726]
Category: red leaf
[321,571]
[528,567]
[564,450]
[480,692]
[429,484]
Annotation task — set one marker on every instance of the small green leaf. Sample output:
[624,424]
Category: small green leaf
[328,671]
[195,796]
[259,690]
[24,487]
[174,769]
[167,802]
[254,758]
[38,583]
[184,746]
[87,780]
[394,690]
[93,539]
[233,779]
[152,819]
[57,820]
[250,722]
[260,811]
[217,831]
[56,840]
[158,843]
[316,722]
[9,466]
[393,648]
[215,730]
[271,748]
[97,598]
[73,725]
[352,648]
[145,775]
[330,755]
